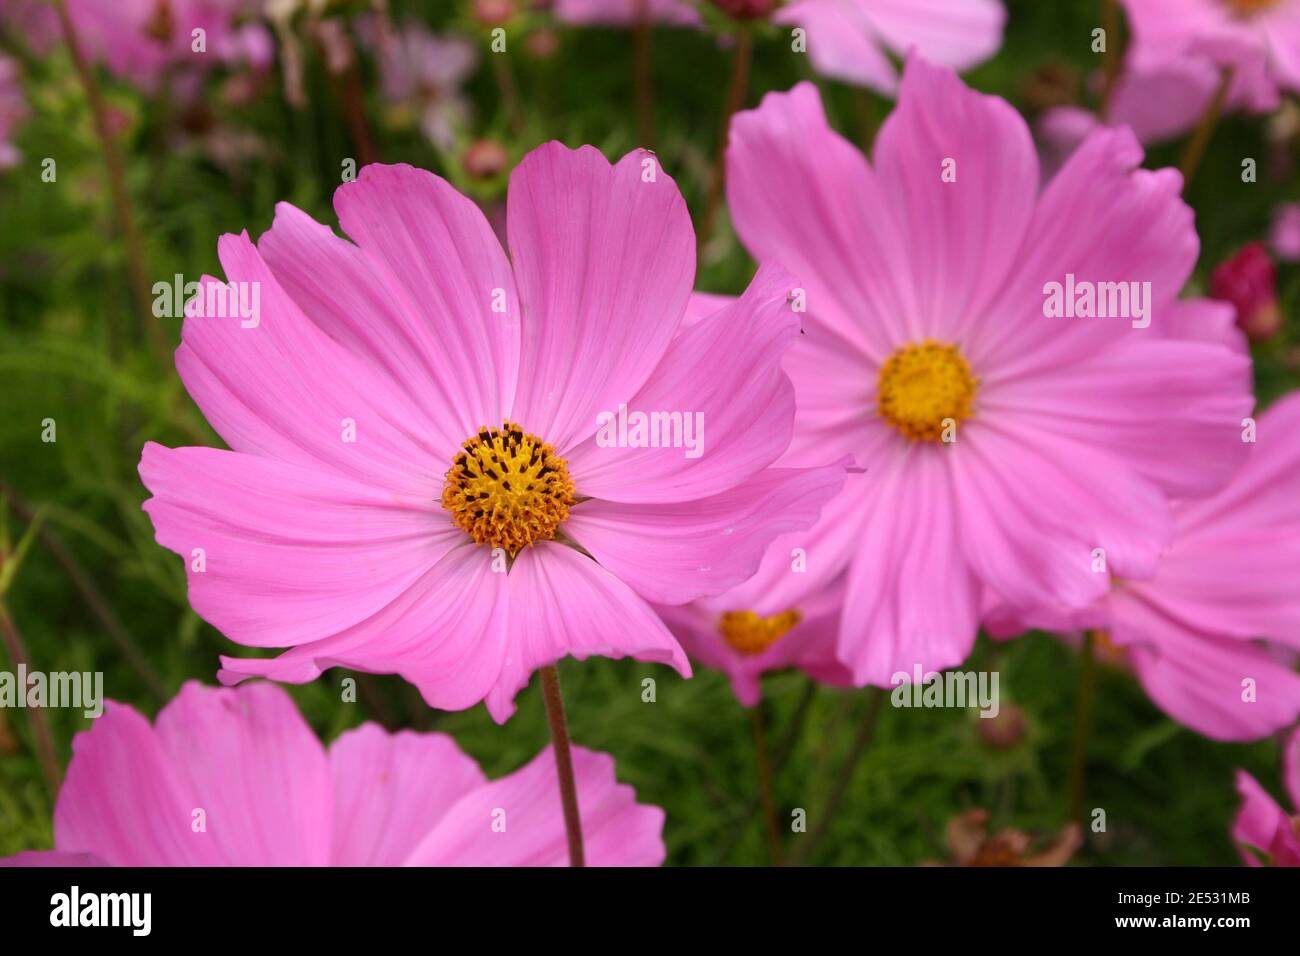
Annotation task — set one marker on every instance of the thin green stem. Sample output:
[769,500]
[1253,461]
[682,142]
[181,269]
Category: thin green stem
[117,186]
[45,754]
[1111,59]
[1194,151]
[866,733]
[563,763]
[741,60]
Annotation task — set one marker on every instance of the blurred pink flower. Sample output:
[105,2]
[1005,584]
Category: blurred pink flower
[850,40]
[1158,105]
[1259,40]
[34,22]
[394,388]
[425,72]
[235,777]
[143,40]
[1248,280]
[1192,633]
[926,277]
[1284,236]
[1263,827]
[625,12]
[13,110]
[745,637]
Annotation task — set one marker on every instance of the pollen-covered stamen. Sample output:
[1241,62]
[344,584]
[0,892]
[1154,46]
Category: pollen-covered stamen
[508,489]
[925,387]
[747,633]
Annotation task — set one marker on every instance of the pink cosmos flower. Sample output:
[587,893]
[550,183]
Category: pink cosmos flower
[142,40]
[13,110]
[623,13]
[1284,236]
[1258,40]
[745,637]
[1213,636]
[235,777]
[419,482]
[34,22]
[1158,104]
[425,72]
[850,40]
[1001,446]
[1263,828]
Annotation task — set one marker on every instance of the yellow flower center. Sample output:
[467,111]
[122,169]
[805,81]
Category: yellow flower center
[508,489]
[924,387]
[747,633]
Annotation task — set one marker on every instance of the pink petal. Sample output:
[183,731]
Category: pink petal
[391,789]
[257,771]
[956,33]
[446,634]
[1204,320]
[430,250]
[123,802]
[529,822]
[961,238]
[704,304]
[418,343]
[284,389]
[800,564]
[725,372]
[911,598]
[1233,565]
[624,12]
[1170,409]
[291,554]
[563,603]
[674,553]
[841,42]
[604,261]
[1144,232]
[1198,678]
[1033,507]
[802,196]
[1258,820]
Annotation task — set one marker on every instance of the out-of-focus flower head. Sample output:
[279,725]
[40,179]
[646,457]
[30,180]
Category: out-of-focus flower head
[236,777]
[1257,40]
[971,844]
[1249,281]
[1266,834]
[13,110]
[423,71]
[1284,236]
[623,13]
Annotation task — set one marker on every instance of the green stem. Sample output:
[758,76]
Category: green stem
[866,733]
[1194,151]
[741,60]
[117,186]
[563,763]
[35,715]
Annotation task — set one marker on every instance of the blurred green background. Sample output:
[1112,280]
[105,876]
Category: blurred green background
[72,349]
